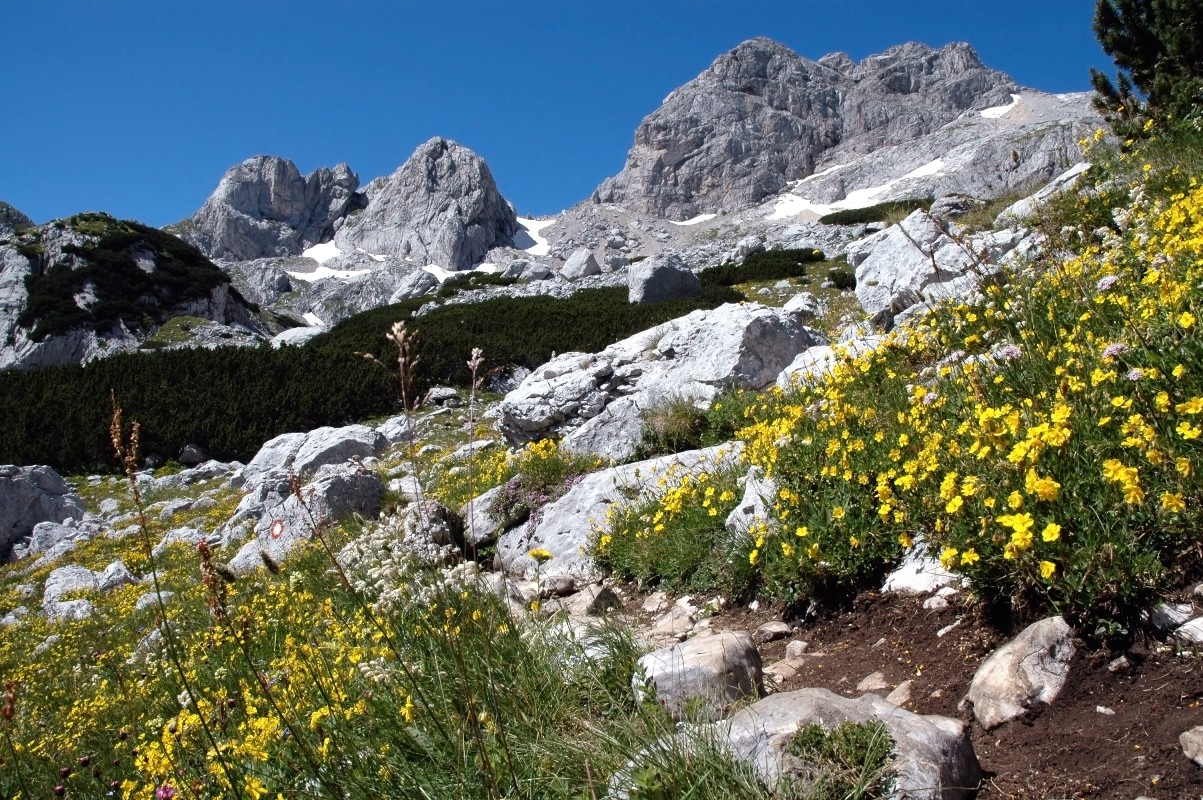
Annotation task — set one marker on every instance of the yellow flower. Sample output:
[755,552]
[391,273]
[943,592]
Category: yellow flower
[1051,532]
[255,788]
[1047,568]
[802,531]
[1186,319]
[407,711]
[540,554]
[837,512]
[754,556]
[813,550]
[1015,500]
[954,505]
[970,556]
[905,540]
[1191,406]
[948,557]
[1172,502]
[1188,431]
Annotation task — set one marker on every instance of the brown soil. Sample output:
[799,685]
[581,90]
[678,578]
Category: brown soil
[1070,749]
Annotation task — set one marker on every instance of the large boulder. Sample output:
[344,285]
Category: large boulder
[440,207]
[702,677]
[264,207]
[595,401]
[933,755]
[580,264]
[1031,668]
[660,278]
[895,267]
[303,453]
[29,495]
[565,527]
[277,522]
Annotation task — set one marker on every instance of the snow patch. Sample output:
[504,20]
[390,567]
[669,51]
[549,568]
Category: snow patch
[321,253]
[371,255]
[818,175]
[998,111]
[326,272]
[313,319]
[791,205]
[528,238]
[696,220]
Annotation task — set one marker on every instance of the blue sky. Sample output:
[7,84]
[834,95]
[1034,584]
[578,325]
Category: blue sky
[137,108]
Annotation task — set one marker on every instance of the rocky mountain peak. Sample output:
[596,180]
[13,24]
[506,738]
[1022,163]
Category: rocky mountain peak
[761,116]
[441,206]
[264,207]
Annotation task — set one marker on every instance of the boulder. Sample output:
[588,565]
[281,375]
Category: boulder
[594,401]
[1192,744]
[433,533]
[805,306]
[660,278]
[702,677]
[29,495]
[418,283]
[933,755]
[895,268]
[919,573]
[580,264]
[304,453]
[12,220]
[1031,668]
[192,455]
[277,522]
[1019,211]
[440,207]
[566,526]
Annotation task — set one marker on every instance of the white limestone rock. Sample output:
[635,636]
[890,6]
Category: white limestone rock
[594,400]
[29,495]
[1031,668]
[580,264]
[566,526]
[933,755]
[660,278]
[702,677]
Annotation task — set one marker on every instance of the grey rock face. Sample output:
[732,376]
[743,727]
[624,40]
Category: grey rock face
[441,206]
[933,755]
[703,675]
[1031,668]
[761,116]
[264,207]
[660,278]
[12,220]
[29,495]
[303,453]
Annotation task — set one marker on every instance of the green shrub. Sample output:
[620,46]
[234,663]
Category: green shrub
[876,213]
[766,265]
[850,761]
[671,425]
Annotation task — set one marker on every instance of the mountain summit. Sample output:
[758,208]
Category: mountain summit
[264,207]
[761,116]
